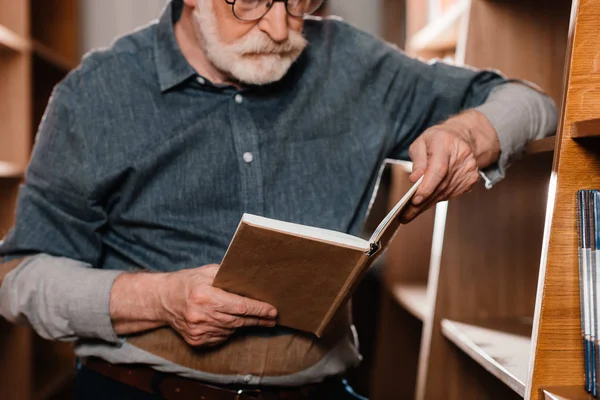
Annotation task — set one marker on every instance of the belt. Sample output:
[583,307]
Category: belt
[174,387]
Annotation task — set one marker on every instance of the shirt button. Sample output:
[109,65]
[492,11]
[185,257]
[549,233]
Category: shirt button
[248,378]
[248,157]
[200,80]
[239,99]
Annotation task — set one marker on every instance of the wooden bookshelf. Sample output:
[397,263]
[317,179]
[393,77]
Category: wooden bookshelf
[503,322]
[38,47]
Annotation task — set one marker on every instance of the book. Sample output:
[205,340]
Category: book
[595,200]
[307,273]
[588,222]
[583,258]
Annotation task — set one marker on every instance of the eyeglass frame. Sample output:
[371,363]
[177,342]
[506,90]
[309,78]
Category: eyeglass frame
[232,4]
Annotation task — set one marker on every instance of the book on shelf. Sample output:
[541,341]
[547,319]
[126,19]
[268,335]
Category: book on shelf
[307,273]
[588,222]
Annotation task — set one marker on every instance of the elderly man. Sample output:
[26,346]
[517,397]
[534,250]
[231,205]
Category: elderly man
[151,150]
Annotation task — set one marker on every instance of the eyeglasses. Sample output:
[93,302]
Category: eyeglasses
[253,10]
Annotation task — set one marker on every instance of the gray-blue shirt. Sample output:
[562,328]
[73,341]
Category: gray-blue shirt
[141,163]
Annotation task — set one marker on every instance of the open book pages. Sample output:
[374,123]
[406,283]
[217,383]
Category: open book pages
[330,236]
[394,212]
[310,232]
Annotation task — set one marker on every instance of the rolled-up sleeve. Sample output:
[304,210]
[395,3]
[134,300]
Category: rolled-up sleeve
[519,113]
[58,228]
[61,298]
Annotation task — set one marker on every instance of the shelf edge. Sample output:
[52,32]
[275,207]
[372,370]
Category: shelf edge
[10,170]
[12,41]
[420,311]
[566,393]
[471,349]
[587,128]
[545,145]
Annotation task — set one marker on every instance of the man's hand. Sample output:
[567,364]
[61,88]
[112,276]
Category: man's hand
[205,315]
[187,301]
[449,156]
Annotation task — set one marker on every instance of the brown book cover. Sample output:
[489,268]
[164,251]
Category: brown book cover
[307,273]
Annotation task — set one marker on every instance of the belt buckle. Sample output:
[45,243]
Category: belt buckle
[241,392]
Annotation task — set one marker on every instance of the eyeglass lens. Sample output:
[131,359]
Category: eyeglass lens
[250,10]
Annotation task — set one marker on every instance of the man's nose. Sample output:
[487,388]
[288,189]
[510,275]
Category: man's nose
[275,22]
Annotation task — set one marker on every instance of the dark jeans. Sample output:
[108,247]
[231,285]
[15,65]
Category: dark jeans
[90,385]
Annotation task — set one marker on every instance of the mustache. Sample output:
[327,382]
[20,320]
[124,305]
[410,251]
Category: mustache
[260,43]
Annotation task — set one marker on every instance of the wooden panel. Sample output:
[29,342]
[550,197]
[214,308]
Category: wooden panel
[9,189]
[523,39]
[14,16]
[54,23]
[394,22]
[413,298]
[501,346]
[589,128]
[46,75]
[558,353]
[14,109]
[397,352]
[488,268]
[15,353]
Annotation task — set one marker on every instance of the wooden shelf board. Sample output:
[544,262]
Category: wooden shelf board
[545,145]
[10,170]
[567,393]
[588,128]
[441,34]
[413,297]
[11,41]
[51,56]
[502,346]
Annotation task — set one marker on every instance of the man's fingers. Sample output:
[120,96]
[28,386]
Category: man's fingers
[435,173]
[233,304]
[233,321]
[418,154]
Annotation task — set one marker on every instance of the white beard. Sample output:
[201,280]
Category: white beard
[253,59]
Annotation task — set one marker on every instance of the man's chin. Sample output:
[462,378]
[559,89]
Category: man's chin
[261,70]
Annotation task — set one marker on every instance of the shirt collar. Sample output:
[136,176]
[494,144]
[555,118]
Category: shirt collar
[171,65]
